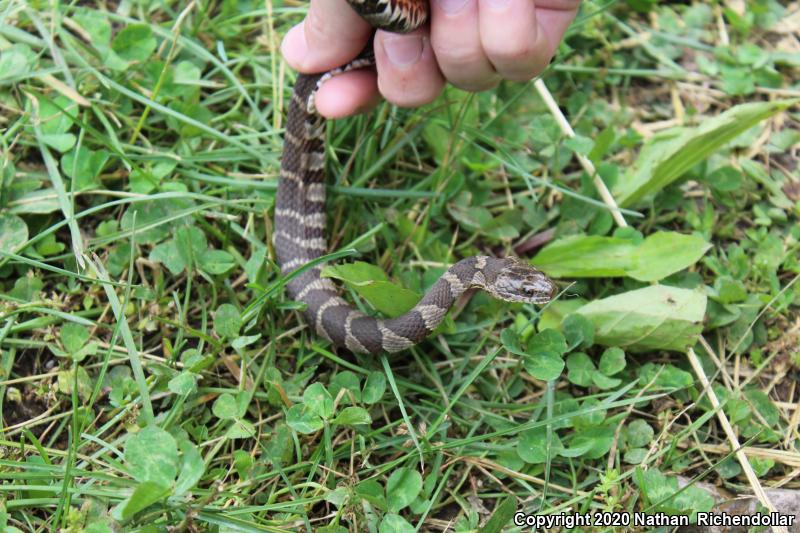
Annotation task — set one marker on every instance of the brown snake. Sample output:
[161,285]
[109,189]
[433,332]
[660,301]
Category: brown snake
[299,231]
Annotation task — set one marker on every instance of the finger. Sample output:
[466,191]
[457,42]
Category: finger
[331,35]
[408,74]
[455,37]
[520,37]
[554,17]
[347,94]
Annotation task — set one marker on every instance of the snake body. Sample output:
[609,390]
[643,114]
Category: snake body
[300,222]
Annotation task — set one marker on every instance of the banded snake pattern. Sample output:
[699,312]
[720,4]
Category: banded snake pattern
[300,223]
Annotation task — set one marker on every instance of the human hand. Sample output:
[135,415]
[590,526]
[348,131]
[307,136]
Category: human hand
[472,44]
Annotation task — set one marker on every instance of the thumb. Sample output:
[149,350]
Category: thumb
[331,35]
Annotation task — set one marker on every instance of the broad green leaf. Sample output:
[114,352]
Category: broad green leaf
[100,526]
[242,342]
[729,290]
[27,288]
[227,321]
[49,246]
[157,216]
[303,420]
[194,111]
[240,429]
[639,433]
[57,116]
[660,491]
[62,142]
[612,361]
[502,515]
[658,317]
[724,179]
[352,416]
[759,174]
[337,497]
[542,354]
[279,447]
[604,382]
[355,273]
[152,455]
[371,491]
[216,261]
[187,73]
[394,523]
[580,369]
[318,400]
[37,202]
[579,144]
[403,486]
[190,243]
[665,252]
[349,382]
[67,378]
[588,256]
[95,23]
[667,156]
[73,336]
[555,312]
[144,495]
[737,80]
[371,282]
[374,387]
[548,340]
[655,486]
[577,448]
[243,462]
[512,343]
[184,383]
[15,62]
[598,439]
[255,264]
[142,181]
[635,456]
[13,233]
[585,256]
[763,405]
[167,254]
[192,467]
[546,366]
[438,134]
[578,331]
[532,446]
[332,529]
[134,42]
[225,407]
[480,220]
[84,165]
[665,376]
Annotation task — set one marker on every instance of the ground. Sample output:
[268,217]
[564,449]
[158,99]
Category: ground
[153,374]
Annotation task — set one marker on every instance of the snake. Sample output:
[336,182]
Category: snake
[300,223]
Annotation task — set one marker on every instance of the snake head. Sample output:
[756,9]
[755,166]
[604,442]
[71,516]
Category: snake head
[517,281]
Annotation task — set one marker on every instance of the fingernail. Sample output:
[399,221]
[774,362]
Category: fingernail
[294,47]
[403,51]
[451,6]
[498,4]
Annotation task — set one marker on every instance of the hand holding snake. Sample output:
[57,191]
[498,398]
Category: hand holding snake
[471,44]
[299,229]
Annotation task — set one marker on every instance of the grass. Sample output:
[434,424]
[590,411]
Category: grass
[153,375]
